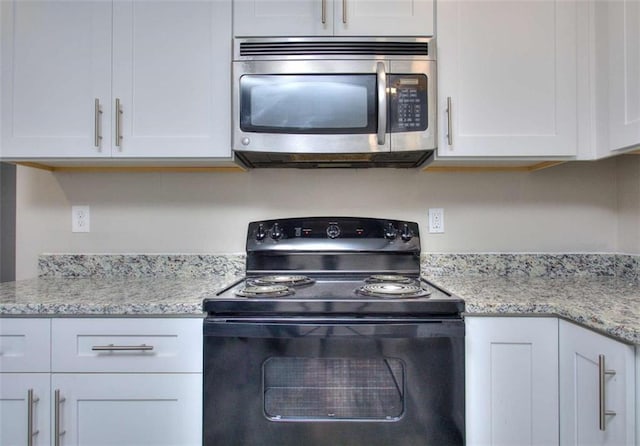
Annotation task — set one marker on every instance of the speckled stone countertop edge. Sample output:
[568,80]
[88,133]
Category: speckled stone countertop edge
[615,323]
[96,313]
[619,333]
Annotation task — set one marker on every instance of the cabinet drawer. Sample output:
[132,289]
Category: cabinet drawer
[127,345]
[25,345]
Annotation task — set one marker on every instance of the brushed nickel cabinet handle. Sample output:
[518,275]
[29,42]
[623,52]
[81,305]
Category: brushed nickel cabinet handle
[97,132]
[324,11]
[344,11]
[118,124]
[602,411]
[121,348]
[31,401]
[382,102]
[449,130]
[57,431]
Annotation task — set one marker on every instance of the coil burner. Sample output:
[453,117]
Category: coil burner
[386,278]
[392,290]
[264,291]
[282,279]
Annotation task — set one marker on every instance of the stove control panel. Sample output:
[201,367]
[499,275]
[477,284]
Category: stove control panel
[276,231]
[333,230]
[390,231]
[333,234]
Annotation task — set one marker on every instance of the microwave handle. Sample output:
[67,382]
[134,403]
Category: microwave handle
[382,102]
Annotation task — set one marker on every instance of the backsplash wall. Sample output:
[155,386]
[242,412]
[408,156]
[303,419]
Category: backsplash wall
[568,208]
[628,185]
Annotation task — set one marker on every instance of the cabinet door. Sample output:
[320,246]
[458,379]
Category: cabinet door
[114,345]
[624,73]
[171,75]
[280,18]
[509,69]
[511,381]
[25,345]
[56,62]
[126,409]
[14,409]
[580,353]
[384,17]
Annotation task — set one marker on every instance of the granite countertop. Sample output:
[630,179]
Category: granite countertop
[607,304]
[145,296]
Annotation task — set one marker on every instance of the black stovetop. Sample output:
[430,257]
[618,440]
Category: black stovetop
[334,295]
[339,253]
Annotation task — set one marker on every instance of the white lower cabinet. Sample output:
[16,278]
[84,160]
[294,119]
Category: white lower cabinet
[101,381]
[127,409]
[511,381]
[590,391]
[24,409]
[25,362]
[637,394]
[128,381]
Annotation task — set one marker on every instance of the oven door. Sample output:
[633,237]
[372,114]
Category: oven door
[280,382]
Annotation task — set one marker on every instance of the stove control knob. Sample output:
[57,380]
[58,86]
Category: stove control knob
[333,230]
[261,233]
[390,231]
[406,234]
[276,232]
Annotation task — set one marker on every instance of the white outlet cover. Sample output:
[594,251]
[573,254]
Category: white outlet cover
[436,220]
[80,219]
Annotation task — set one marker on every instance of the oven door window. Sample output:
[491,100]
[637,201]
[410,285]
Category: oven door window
[310,389]
[308,104]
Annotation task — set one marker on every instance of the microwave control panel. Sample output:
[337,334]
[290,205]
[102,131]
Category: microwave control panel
[407,102]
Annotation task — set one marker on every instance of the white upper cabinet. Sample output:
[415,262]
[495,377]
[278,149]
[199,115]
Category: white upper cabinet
[171,78]
[508,71]
[283,17]
[56,62]
[383,17]
[67,65]
[624,73]
[278,18]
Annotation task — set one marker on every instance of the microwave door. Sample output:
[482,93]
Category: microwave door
[311,106]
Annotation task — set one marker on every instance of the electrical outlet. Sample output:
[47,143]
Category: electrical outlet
[80,219]
[436,220]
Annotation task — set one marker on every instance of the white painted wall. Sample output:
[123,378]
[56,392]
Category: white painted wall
[628,193]
[568,208]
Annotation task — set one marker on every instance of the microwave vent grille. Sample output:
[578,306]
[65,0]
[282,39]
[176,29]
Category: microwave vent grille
[333,48]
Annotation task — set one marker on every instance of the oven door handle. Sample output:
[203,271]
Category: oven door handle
[256,328]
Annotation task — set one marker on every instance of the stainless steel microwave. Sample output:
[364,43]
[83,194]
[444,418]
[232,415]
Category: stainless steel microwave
[338,102]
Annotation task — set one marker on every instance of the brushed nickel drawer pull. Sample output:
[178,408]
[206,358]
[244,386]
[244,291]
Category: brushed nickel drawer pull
[324,11]
[344,11]
[602,411]
[58,400]
[31,401]
[121,348]
[97,136]
[449,130]
[118,124]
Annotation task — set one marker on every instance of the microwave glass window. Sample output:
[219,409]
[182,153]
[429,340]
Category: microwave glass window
[308,104]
